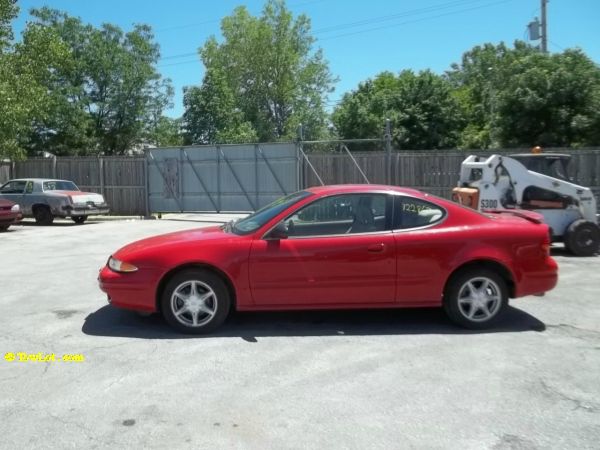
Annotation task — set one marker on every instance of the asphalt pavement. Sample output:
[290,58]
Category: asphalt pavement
[395,379]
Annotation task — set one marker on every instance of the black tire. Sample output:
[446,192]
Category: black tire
[4,227]
[206,282]
[79,219]
[482,311]
[43,215]
[583,238]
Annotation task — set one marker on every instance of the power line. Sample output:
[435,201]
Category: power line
[356,24]
[179,63]
[415,21]
[181,55]
[388,17]
[376,20]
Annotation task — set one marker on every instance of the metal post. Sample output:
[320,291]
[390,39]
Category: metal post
[54,166]
[218,150]
[256,187]
[300,175]
[147,183]
[101,170]
[544,28]
[180,173]
[388,149]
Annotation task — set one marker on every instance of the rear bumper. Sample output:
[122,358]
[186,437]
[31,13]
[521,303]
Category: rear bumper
[536,281]
[10,218]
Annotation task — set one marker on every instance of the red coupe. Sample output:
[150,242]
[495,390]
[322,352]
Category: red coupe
[347,246]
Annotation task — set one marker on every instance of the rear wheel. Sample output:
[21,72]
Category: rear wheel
[475,298]
[583,238]
[4,227]
[43,215]
[195,301]
[79,219]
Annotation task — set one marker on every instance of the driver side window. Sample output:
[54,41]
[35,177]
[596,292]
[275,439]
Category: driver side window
[13,187]
[340,214]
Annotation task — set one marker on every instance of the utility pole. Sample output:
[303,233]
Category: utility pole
[544,28]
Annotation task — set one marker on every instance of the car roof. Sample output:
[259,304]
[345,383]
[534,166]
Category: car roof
[358,188]
[37,179]
[542,155]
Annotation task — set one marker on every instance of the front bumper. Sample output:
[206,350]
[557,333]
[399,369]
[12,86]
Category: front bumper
[135,290]
[87,210]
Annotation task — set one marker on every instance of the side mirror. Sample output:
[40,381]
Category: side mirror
[280,231]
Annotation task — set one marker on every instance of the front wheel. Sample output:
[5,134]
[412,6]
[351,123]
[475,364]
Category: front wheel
[43,215]
[475,298]
[195,301]
[4,227]
[583,238]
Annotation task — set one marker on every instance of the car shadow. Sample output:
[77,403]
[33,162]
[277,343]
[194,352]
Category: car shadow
[114,322]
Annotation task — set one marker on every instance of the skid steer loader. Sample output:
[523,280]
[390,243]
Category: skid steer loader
[537,182]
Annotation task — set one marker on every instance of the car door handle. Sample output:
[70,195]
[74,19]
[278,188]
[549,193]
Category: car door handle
[376,248]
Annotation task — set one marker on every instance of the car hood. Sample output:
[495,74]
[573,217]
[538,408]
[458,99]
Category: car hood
[4,202]
[186,237]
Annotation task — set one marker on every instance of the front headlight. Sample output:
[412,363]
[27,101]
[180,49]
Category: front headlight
[15,208]
[120,266]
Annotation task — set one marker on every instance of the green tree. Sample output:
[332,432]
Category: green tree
[211,114]
[261,81]
[24,68]
[520,97]
[422,109]
[106,96]
[550,100]
[165,132]
[8,11]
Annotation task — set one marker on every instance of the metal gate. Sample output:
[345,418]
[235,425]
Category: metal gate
[220,178]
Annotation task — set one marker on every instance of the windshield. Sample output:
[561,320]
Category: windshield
[256,220]
[60,186]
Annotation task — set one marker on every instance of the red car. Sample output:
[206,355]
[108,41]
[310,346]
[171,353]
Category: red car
[347,246]
[10,213]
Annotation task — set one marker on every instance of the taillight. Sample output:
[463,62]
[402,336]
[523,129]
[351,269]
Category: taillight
[546,249]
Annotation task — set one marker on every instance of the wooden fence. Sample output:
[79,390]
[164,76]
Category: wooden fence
[122,180]
[436,172]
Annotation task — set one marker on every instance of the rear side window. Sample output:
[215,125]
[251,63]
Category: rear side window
[410,212]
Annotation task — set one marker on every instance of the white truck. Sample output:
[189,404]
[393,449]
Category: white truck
[535,182]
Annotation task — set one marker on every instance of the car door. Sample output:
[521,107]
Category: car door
[340,251]
[28,198]
[423,250]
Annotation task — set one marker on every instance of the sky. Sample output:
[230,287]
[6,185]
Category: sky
[359,38]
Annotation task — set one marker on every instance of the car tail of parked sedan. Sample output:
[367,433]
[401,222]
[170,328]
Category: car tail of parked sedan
[334,247]
[10,213]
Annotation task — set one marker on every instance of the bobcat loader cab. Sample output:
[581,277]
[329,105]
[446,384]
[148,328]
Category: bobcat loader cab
[535,182]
